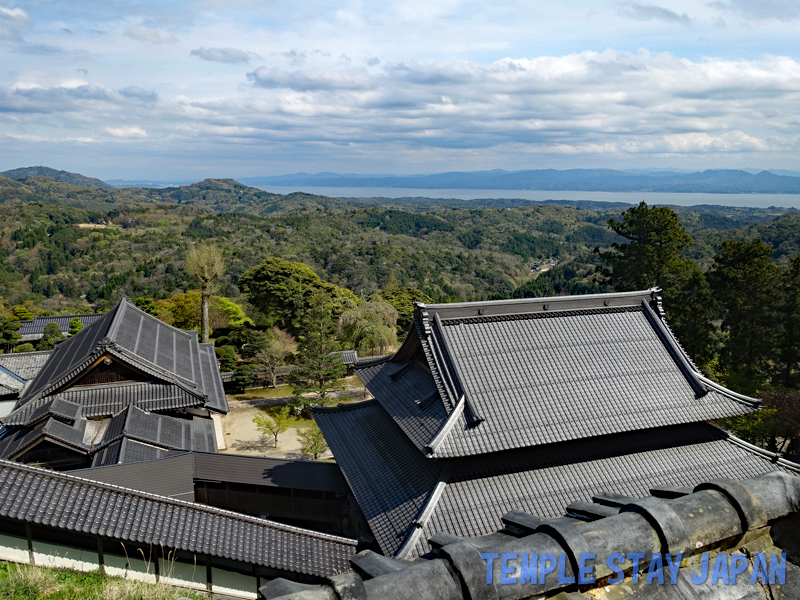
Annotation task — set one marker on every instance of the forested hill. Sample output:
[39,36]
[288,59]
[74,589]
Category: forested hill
[65,176]
[68,247]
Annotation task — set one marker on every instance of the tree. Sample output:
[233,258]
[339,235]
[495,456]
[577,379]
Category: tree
[184,310]
[244,376]
[369,327]
[656,237]
[283,290]
[21,313]
[8,332]
[690,306]
[789,336]
[312,442]
[280,346]
[776,426]
[204,263]
[403,301]
[227,357]
[146,304]
[274,422]
[745,282]
[319,372]
[75,325]
[50,335]
[26,347]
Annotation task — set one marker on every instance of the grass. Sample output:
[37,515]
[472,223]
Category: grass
[22,582]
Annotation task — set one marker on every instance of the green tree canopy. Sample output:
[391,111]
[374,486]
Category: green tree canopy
[8,332]
[651,257]
[184,311]
[403,301]
[789,336]
[312,442]
[273,422]
[371,327]
[75,325]
[21,313]
[745,282]
[51,335]
[204,263]
[283,290]
[319,372]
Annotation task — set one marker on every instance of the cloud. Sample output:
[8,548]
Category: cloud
[10,35]
[372,61]
[153,36]
[310,80]
[126,132]
[224,55]
[764,9]
[136,93]
[16,17]
[295,58]
[646,12]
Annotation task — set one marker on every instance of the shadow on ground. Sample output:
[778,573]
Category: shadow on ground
[262,444]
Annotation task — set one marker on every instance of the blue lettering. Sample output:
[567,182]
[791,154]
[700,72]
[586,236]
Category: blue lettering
[506,569]
[546,567]
[673,567]
[739,564]
[585,574]
[759,568]
[778,571]
[562,570]
[655,570]
[527,570]
[489,558]
[635,557]
[720,571]
[611,563]
[703,571]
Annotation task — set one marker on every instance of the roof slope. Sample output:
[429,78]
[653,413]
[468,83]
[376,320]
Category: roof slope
[140,340]
[24,364]
[39,496]
[389,477]
[519,373]
[405,496]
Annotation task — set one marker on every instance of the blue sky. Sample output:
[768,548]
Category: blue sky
[195,89]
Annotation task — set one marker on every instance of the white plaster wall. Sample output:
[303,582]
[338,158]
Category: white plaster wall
[13,548]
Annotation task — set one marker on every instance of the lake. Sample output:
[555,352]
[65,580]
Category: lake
[691,199]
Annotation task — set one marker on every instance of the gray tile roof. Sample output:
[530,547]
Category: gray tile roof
[109,399]
[15,442]
[542,481]
[390,478]
[407,392]
[141,341]
[39,496]
[530,375]
[406,497]
[35,327]
[24,364]
[719,516]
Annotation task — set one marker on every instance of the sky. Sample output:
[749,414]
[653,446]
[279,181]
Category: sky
[191,89]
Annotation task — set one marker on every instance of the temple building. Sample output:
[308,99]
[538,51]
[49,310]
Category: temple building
[530,405]
[126,388]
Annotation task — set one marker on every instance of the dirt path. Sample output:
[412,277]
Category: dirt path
[242,437]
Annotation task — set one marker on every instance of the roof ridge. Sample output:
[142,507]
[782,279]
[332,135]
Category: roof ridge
[514,301]
[59,475]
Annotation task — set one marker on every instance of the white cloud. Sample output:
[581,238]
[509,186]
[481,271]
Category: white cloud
[224,55]
[126,132]
[153,36]
[134,92]
[16,17]
[9,35]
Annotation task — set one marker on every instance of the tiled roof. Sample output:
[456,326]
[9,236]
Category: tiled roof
[109,399]
[140,340]
[70,503]
[512,374]
[390,478]
[14,442]
[24,364]
[125,451]
[35,327]
[405,496]
[689,526]
[10,383]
